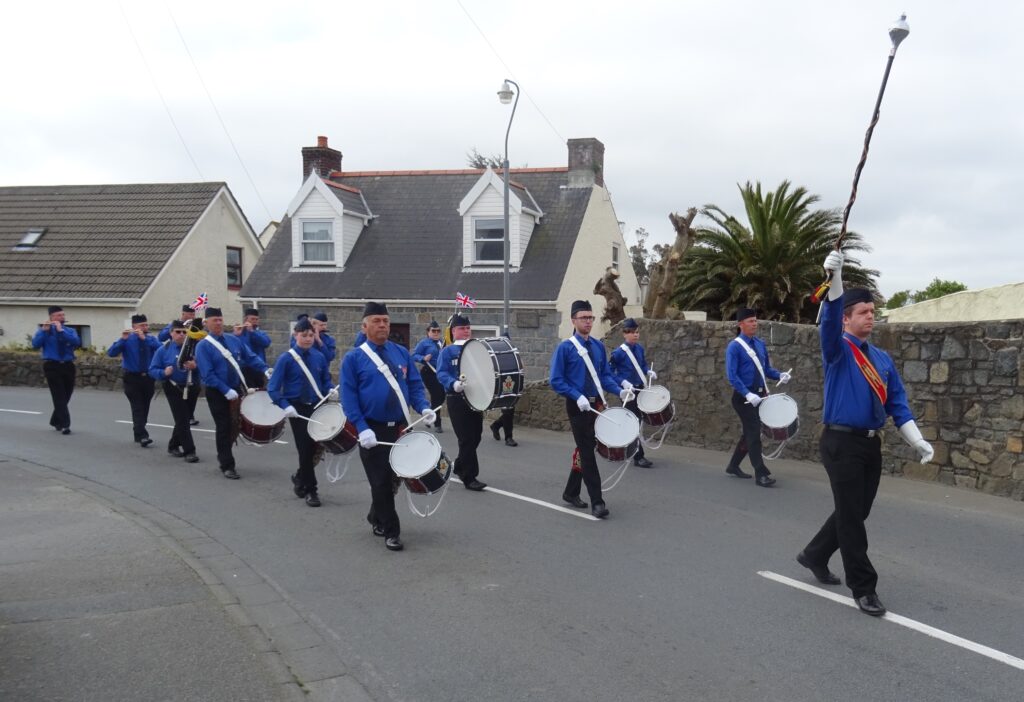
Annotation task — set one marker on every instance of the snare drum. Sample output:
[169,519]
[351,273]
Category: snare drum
[418,460]
[655,405]
[493,371]
[617,431]
[331,429]
[260,420]
[779,417]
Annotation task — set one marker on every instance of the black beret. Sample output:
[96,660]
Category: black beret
[302,315]
[433,324]
[458,321]
[213,312]
[177,324]
[855,295]
[54,308]
[138,318]
[580,306]
[303,325]
[745,313]
[375,308]
[250,310]
[320,316]
[187,308]
[630,323]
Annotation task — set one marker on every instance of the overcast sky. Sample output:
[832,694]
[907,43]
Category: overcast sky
[689,97]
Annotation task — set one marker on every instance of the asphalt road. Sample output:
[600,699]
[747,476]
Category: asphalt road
[497,598]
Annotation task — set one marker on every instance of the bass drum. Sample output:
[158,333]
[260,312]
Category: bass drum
[260,420]
[617,431]
[418,460]
[493,372]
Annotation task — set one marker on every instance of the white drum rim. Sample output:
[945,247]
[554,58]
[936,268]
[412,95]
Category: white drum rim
[402,450]
[479,371]
[654,393]
[619,430]
[778,411]
[325,430]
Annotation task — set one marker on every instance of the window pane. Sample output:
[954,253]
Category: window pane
[234,276]
[490,251]
[234,257]
[318,252]
[490,229]
[316,231]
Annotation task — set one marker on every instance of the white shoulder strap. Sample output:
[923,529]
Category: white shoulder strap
[632,359]
[754,358]
[309,376]
[389,376]
[585,355]
[230,359]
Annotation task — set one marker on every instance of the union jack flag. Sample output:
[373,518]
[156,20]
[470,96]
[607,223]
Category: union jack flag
[201,303]
[464,300]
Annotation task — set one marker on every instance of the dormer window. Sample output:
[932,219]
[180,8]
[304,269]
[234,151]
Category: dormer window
[317,243]
[489,241]
[31,238]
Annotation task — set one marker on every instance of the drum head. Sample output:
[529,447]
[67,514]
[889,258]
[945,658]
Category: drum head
[653,399]
[617,426]
[777,411]
[415,454]
[259,409]
[331,420]
[477,365]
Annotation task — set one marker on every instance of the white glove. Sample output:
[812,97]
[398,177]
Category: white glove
[291,412]
[268,372]
[231,395]
[753,399]
[250,391]
[912,435]
[626,394]
[429,415]
[332,394]
[458,386]
[652,375]
[834,264]
[583,403]
[626,385]
[784,378]
[367,439]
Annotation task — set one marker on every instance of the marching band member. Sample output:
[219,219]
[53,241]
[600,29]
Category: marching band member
[220,359]
[58,343]
[300,379]
[862,388]
[136,348]
[577,366]
[628,362]
[258,341]
[748,369]
[164,367]
[467,422]
[325,343]
[379,382]
[187,315]
[426,354]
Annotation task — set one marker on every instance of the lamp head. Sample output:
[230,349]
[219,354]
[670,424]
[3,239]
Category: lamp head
[505,94]
[899,31]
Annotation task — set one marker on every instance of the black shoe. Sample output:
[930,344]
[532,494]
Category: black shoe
[822,573]
[377,531]
[145,442]
[393,543]
[642,462]
[599,510]
[312,500]
[870,604]
[176,452]
[765,480]
[475,485]
[495,431]
[737,472]
[230,474]
[191,458]
[192,422]
[439,429]
[300,490]
[65,431]
[575,501]
[511,442]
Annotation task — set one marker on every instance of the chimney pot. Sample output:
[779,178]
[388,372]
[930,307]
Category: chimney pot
[321,142]
[320,158]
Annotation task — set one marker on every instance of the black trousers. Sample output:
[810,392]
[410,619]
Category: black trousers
[854,467]
[182,410]
[633,407]
[305,445]
[582,424]
[434,389]
[469,428]
[382,479]
[220,410]
[750,439]
[139,388]
[60,378]
[505,421]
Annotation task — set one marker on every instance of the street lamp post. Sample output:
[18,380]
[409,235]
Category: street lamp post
[505,95]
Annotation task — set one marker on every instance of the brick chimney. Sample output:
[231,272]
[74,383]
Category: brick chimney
[586,163]
[320,158]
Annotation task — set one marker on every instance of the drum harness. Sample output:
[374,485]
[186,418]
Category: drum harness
[757,363]
[336,467]
[656,439]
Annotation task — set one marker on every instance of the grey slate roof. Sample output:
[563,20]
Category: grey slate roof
[352,201]
[413,247]
[101,241]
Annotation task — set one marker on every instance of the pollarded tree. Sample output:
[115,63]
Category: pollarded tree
[771,264]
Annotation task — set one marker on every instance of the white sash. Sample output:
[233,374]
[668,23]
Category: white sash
[231,359]
[590,366]
[309,376]
[389,376]
[632,359]
[754,358]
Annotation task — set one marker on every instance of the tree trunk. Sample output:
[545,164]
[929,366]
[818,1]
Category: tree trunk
[664,273]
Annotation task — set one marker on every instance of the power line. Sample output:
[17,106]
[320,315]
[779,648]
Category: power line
[156,86]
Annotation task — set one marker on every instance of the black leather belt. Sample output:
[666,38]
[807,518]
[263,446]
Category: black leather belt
[384,424]
[853,430]
[136,373]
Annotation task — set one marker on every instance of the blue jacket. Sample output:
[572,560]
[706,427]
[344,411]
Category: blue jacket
[57,346]
[366,393]
[136,354]
[215,370]
[289,384]
[427,346]
[740,369]
[448,365]
[569,374]
[258,342]
[622,367]
[167,355]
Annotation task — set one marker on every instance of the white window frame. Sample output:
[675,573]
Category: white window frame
[488,261]
[483,331]
[330,240]
[615,256]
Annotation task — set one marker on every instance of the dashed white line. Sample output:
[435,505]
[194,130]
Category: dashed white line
[169,426]
[20,411]
[980,649]
[524,498]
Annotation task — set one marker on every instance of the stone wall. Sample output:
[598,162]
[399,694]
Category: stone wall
[92,370]
[964,381]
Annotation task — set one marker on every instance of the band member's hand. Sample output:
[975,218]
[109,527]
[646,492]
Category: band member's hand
[238,330]
[652,375]
[753,399]
[332,394]
[189,365]
[458,386]
[784,378]
[834,265]
[626,385]
[125,334]
[290,412]
[429,415]
[583,403]
[139,333]
[231,395]
[250,391]
[59,326]
[912,435]
[428,357]
[367,439]
[45,326]
[626,394]
[169,371]
[268,372]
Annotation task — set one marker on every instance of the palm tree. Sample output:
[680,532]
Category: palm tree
[773,264]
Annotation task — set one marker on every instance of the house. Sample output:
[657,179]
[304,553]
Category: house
[416,238]
[986,304]
[104,252]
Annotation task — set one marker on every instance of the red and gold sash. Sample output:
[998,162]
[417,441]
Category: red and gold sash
[870,374]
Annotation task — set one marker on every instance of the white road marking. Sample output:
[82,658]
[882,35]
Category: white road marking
[524,498]
[992,653]
[169,426]
[20,411]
